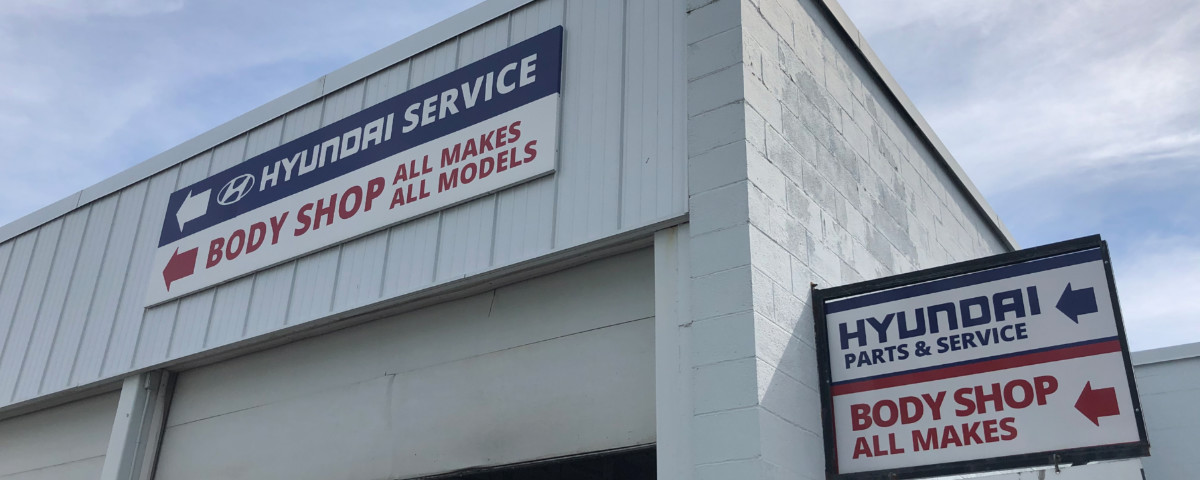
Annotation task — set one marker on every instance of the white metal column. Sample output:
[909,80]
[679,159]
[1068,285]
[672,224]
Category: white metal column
[137,428]
[672,351]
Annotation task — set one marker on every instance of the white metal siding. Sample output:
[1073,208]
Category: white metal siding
[67,442]
[84,281]
[49,315]
[71,309]
[1169,393]
[556,365]
[653,71]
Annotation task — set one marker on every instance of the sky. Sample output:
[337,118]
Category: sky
[1073,118]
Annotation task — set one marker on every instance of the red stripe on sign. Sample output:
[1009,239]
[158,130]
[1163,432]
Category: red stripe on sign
[1035,358]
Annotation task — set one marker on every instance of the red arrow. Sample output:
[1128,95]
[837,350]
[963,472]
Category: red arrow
[180,265]
[1101,402]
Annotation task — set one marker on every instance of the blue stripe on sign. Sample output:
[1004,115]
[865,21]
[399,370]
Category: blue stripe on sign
[547,46]
[963,281]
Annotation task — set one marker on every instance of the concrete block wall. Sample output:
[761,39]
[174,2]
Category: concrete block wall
[802,170]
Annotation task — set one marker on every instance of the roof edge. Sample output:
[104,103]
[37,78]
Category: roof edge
[875,65]
[353,72]
[1165,354]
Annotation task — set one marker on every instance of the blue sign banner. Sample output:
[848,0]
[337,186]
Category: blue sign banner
[514,77]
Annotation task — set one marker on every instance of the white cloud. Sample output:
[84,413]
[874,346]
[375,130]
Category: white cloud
[84,8]
[1047,89]
[1159,293]
[95,86]
[1080,118]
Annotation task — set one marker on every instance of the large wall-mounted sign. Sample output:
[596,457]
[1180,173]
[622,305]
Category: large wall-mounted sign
[1008,361]
[478,129]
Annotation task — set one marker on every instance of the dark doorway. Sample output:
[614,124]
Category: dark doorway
[631,464]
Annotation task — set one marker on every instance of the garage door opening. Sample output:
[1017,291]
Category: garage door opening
[631,464]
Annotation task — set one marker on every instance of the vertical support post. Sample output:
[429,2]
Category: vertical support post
[137,428]
[672,351]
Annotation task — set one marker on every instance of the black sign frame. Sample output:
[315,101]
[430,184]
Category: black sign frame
[1076,456]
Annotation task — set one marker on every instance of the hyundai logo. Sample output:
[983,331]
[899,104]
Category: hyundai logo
[235,189]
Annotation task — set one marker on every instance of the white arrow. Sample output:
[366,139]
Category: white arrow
[193,207]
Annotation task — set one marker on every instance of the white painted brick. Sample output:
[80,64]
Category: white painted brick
[799,134]
[720,250]
[786,352]
[777,81]
[856,224]
[776,346]
[823,262]
[719,208]
[755,131]
[779,18]
[725,436]
[756,30]
[714,53]
[763,101]
[781,152]
[857,139]
[770,258]
[725,386]
[713,18]
[862,261]
[835,84]
[851,274]
[789,399]
[792,447]
[739,469]
[763,293]
[719,127]
[714,90]
[717,167]
[776,472]
[880,248]
[862,118]
[834,189]
[724,338]
[818,187]
[773,219]
[804,209]
[722,293]
[793,311]
[766,175]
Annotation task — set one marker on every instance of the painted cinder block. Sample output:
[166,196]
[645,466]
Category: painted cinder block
[724,436]
[725,386]
[716,127]
[832,196]
[714,53]
[717,167]
[723,338]
[719,208]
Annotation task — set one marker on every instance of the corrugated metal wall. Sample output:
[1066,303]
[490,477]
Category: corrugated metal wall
[71,310]
[67,442]
[557,365]
[1170,391]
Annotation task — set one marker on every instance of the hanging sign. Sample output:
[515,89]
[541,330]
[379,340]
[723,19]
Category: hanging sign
[1014,360]
[484,127]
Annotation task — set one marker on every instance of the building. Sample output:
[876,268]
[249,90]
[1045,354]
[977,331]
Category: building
[1169,384]
[640,310]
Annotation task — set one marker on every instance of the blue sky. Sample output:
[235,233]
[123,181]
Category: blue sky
[1073,118]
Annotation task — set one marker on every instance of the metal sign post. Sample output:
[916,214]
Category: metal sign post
[1014,360]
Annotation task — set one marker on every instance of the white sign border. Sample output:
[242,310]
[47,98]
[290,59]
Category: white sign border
[1080,455]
